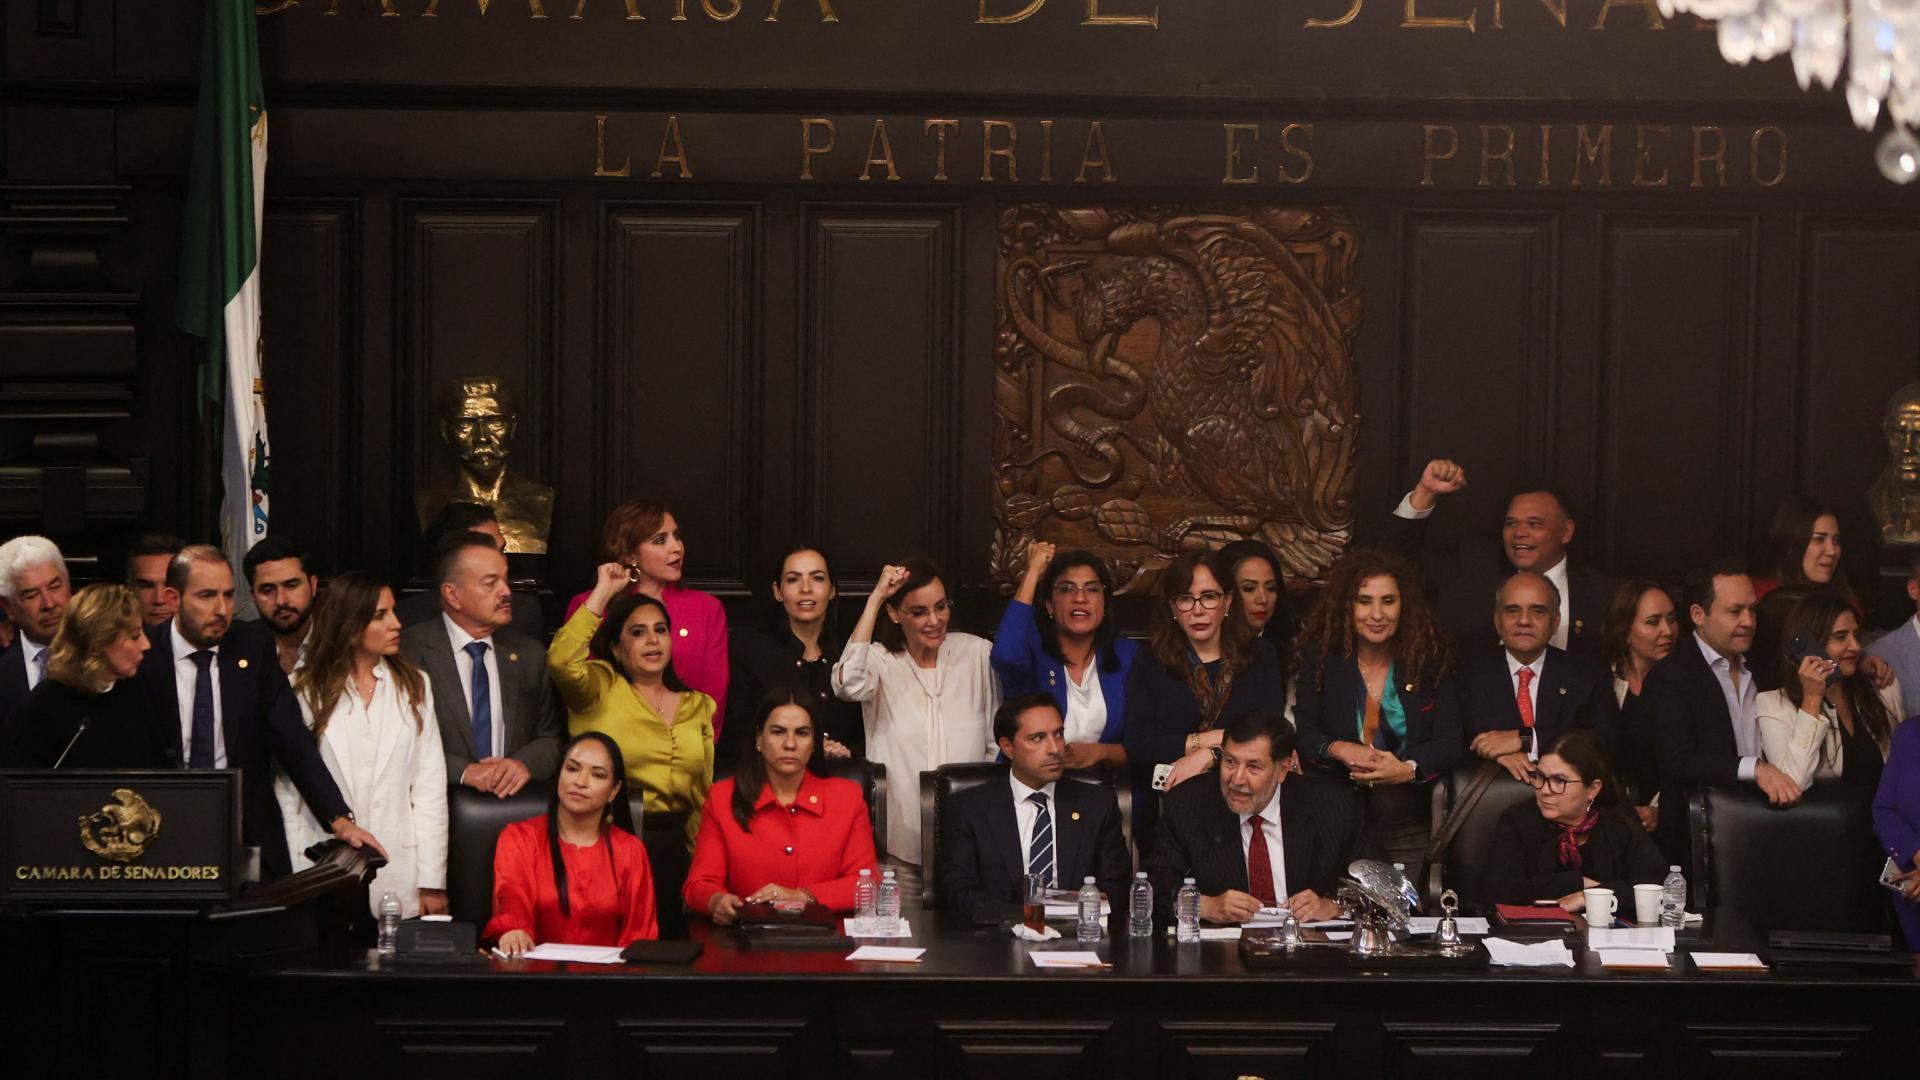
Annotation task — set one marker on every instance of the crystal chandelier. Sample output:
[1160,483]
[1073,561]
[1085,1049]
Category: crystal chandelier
[1883,37]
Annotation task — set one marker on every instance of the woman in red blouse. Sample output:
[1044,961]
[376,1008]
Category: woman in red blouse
[784,833]
[577,875]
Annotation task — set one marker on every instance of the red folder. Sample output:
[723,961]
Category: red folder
[1514,913]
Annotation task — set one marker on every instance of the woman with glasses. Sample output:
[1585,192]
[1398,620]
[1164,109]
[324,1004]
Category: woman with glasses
[1064,645]
[927,695]
[1374,698]
[1205,669]
[1577,834]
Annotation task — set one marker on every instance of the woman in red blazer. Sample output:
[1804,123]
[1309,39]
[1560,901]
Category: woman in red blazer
[776,831]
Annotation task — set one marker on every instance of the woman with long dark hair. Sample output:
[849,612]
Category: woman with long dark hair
[1373,698]
[1641,626]
[577,875]
[797,647]
[1577,834]
[371,712]
[778,832]
[1826,721]
[1262,593]
[1056,638]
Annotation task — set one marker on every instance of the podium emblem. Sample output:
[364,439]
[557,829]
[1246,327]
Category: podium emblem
[120,830]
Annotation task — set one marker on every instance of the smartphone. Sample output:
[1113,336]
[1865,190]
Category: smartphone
[1888,873]
[1160,774]
[1803,646]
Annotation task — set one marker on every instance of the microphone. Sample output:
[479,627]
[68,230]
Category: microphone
[77,732]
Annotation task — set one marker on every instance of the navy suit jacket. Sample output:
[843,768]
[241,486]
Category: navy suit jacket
[13,685]
[1693,735]
[1574,692]
[981,860]
[1327,710]
[1322,829]
[261,723]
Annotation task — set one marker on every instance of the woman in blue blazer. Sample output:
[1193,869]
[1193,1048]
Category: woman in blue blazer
[1373,698]
[1065,646]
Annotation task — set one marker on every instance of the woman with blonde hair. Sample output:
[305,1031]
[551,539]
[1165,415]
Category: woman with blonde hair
[89,713]
[371,712]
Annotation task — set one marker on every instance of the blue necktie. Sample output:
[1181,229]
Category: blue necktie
[40,662]
[1040,850]
[200,743]
[482,701]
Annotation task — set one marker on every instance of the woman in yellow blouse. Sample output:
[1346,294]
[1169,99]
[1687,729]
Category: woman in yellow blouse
[664,730]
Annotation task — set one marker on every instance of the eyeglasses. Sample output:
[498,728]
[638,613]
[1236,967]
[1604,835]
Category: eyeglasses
[1068,588]
[1207,600]
[1552,785]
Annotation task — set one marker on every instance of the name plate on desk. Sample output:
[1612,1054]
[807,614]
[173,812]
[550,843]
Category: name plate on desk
[119,836]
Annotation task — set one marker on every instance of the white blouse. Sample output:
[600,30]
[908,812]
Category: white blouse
[1805,747]
[918,719]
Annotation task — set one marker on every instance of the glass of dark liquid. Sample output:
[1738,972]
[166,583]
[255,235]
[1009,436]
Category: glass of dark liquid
[1034,912]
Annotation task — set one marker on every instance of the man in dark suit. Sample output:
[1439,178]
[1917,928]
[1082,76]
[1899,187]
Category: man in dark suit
[34,590]
[1701,703]
[280,576]
[499,717]
[1517,702]
[1259,836]
[455,519]
[222,702]
[1033,822]
[1534,534]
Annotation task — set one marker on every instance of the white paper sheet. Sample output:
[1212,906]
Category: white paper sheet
[1430,924]
[1648,959]
[1219,933]
[575,954]
[1639,937]
[887,954]
[1067,959]
[1550,953]
[1727,961]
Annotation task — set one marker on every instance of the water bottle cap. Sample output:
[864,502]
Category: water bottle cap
[1673,869]
[1187,881]
[1088,880]
[888,874]
[866,873]
[1139,875]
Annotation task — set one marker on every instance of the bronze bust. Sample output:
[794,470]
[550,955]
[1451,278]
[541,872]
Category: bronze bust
[1895,496]
[477,421]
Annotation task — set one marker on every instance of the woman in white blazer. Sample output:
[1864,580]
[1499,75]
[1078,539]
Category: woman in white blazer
[1827,722]
[372,714]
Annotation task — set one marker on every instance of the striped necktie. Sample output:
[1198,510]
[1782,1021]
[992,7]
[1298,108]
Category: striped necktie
[1040,850]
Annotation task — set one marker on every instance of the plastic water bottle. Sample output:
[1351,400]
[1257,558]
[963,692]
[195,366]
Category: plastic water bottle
[1673,899]
[389,924]
[1140,906]
[887,904]
[1088,930]
[1186,912]
[864,898]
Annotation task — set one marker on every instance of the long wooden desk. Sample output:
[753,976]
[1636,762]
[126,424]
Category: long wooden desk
[977,1007]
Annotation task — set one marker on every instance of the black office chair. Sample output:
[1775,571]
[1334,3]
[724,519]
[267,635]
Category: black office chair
[872,778]
[1811,866]
[474,821]
[941,784]
[1463,865]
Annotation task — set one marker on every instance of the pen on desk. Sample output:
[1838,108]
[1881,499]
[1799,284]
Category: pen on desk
[500,954]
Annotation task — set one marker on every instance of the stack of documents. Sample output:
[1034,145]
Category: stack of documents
[1550,953]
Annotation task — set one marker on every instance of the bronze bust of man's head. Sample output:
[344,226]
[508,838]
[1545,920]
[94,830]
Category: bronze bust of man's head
[1895,496]
[478,421]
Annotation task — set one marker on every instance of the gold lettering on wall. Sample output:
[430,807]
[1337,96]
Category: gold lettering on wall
[1087,160]
[878,141]
[808,149]
[1046,151]
[1327,24]
[1232,175]
[1304,153]
[1095,18]
[671,139]
[1546,158]
[938,129]
[1001,20]
[580,11]
[1780,160]
[1701,156]
[1429,155]
[1643,150]
[1654,21]
[600,151]
[826,12]
[1488,157]
[1595,151]
[721,14]
[988,151]
[1417,21]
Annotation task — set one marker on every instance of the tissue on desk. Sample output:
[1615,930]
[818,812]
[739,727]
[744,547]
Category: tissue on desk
[1027,933]
[1550,953]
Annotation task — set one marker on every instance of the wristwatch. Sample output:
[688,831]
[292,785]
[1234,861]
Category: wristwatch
[1216,755]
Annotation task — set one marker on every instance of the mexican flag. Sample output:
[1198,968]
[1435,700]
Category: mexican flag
[220,263]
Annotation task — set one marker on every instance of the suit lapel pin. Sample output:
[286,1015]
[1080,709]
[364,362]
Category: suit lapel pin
[1076,815]
[683,631]
[513,657]
[1563,691]
[1579,625]
[1408,688]
[243,663]
[816,799]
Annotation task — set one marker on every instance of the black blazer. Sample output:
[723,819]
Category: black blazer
[1525,863]
[1574,692]
[981,860]
[261,723]
[1322,828]
[120,731]
[13,685]
[532,709]
[1326,710]
[764,657]
[1693,735]
[1461,584]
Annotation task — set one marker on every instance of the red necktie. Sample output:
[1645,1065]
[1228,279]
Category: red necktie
[1260,865]
[1525,700]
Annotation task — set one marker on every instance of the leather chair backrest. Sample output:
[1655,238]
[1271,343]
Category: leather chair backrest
[1812,866]
[474,821]
[1465,863]
[941,784]
[872,778]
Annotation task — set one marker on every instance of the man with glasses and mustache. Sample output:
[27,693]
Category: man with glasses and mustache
[222,702]
[283,590]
